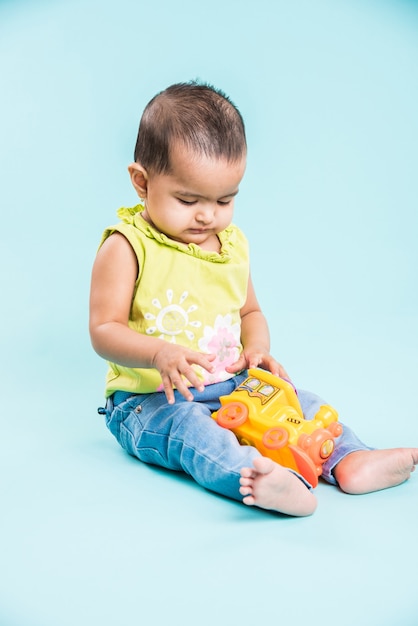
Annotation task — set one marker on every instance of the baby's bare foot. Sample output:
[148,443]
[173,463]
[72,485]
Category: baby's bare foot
[371,470]
[271,486]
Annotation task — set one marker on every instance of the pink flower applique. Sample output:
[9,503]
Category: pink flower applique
[223,340]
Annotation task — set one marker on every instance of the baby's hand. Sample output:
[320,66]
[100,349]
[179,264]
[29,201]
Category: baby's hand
[175,366]
[257,358]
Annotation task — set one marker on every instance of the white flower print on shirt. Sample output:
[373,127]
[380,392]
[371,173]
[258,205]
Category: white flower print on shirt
[172,319]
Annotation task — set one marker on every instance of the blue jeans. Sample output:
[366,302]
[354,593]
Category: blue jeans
[184,437]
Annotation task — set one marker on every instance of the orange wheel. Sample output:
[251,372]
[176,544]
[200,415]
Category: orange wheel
[275,438]
[232,415]
[305,465]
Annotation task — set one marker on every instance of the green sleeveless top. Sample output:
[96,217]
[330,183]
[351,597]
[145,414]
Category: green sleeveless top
[184,295]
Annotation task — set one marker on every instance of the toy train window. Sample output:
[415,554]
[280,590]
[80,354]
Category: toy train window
[257,388]
[266,390]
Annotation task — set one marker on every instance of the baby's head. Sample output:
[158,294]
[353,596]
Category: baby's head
[195,116]
[189,161]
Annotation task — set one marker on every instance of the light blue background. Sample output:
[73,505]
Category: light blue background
[329,92]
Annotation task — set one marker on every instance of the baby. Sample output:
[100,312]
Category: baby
[174,311]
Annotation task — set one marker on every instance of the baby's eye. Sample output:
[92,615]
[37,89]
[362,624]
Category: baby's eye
[224,202]
[186,202]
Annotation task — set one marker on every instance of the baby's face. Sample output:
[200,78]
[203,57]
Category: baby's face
[195,201]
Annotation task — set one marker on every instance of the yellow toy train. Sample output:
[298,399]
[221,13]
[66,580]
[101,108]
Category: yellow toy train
[264,412]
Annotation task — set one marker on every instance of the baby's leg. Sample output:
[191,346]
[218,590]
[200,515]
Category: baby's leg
[357,468]
[271,486]
[184,437]
[364,471]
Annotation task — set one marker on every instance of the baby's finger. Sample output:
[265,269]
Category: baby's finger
[183,382]
[190,375]
[168,390]
[255,361]
[277,369]
[205,361]
[283,373]
[238,366]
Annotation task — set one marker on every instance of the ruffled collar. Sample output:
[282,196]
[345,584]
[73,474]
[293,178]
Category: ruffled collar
[133,216]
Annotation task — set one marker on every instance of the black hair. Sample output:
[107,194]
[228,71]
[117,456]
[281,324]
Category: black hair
[194,114]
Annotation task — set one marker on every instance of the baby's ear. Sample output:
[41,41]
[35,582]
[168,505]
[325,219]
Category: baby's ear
[139,179]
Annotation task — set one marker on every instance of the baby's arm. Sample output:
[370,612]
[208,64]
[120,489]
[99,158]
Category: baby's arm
[113,280]
[255,338]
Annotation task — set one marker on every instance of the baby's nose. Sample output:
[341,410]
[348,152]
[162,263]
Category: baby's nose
[205,216]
